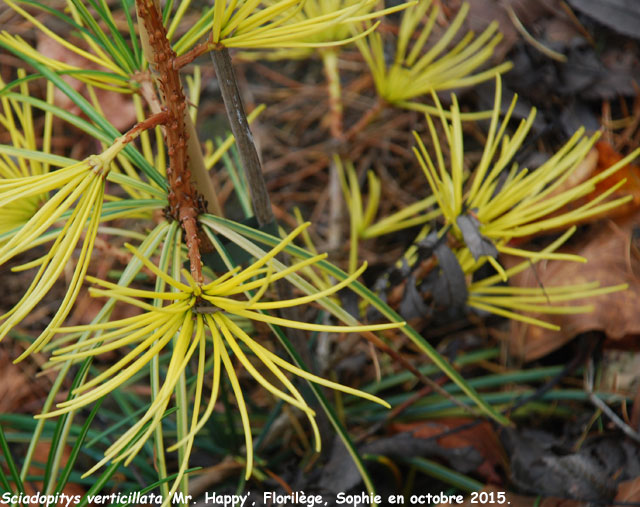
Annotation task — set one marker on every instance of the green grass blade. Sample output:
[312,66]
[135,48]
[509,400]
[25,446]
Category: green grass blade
[166,12]
[195,32]
[13,470]
[130,208]
[328,410]
[75,451]
[438,471]
[123,59]
[400,378]
[63,114]
[137,53]
[115,426]
[113,467]
[147,247]
[86,127]
[124,50]
[60,434]
[4,482]
[73,72]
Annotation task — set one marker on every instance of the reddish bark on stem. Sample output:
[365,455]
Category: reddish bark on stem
[185,203]
[195,52]
[153,121]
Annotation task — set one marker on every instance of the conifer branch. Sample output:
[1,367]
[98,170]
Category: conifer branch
[185,202]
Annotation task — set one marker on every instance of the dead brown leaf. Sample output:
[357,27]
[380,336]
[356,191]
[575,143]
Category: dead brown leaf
[481,437]
[613,257]
[623,16]
[21,388]
[629,491]
[15,389]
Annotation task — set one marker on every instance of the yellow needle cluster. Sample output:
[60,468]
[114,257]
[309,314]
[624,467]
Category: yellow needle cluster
[24,156]
[524,203]
[419,69]
[75,206]
[345,31]
[195,319]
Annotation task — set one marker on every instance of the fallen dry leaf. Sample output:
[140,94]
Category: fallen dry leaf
[601,157]
[613,258]
[608,156]
[481,437]
[629,491]
[21,387]
[15,388]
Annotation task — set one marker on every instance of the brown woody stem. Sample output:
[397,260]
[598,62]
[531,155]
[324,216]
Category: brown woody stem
[185,203]
[193,53]
[153,121]
[199,173]
[244,139]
